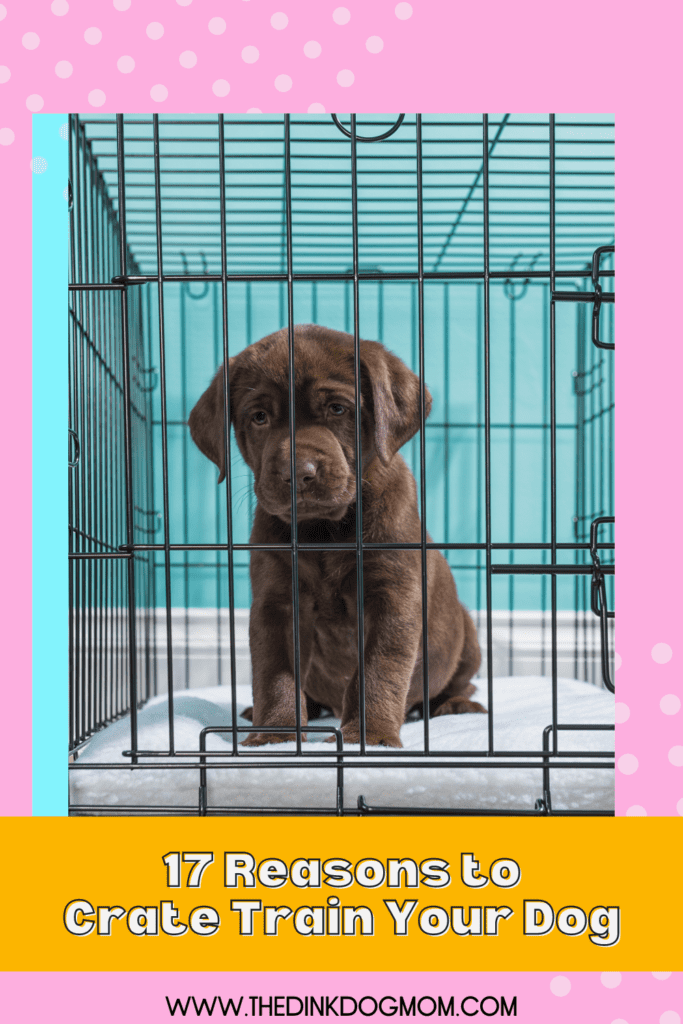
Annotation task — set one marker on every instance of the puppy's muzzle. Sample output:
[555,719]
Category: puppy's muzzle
[306,472]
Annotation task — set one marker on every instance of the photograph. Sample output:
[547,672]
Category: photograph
[341,464]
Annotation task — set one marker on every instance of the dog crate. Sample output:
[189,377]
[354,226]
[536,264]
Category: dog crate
[477,248]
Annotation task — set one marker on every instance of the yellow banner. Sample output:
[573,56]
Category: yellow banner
[375,894]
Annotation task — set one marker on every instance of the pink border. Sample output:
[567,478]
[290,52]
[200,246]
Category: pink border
[608,998]
[444,57]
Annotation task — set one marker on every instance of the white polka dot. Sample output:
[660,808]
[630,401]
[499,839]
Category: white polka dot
[670,704]
[30,40]
[63,69]
[6,136]
[617,662]
[620,1020]
[188,59]
[217,26]
[341,15]
[220,87]
[560,986]
[661,975]
[636,811]
[374,44]
[121,5]
[249,54]
[3,12]
[627,764]
[159,93]
[64,131]
[676,757]
[345,78]
[5,74]
[92,36]
[125,64]
[679,805]
[39,165]
[34,102]
[670,1017]
[96,98]
[283,83]
[661,653]
[65,195]
[155,30]
[59,7]
[254,110]
[279,20]
[622,712]
[403,11]
[316,108]
[183,3]
[610,979]
[312,49]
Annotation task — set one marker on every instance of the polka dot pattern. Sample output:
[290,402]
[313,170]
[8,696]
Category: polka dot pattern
[662,653]
[312,49]
[627,764]
[622,712]
[155,30]
[279,21]
[670,704]
[93,36]
[676,756]
[341,16]
[560,986]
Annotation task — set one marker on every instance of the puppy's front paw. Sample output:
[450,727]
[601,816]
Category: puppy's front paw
[458,706]
[373,737]
[259,739]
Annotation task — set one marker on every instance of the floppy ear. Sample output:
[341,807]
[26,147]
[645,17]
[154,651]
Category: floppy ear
[206,422]
[395,398]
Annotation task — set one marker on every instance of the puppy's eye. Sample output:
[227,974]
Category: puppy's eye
[260,417]
[336,409]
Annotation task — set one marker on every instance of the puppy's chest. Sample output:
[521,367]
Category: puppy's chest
[327,584]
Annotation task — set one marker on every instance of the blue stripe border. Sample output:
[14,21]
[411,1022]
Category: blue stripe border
[50,641]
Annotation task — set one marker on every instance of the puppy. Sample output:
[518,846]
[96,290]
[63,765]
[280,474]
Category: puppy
[326,512]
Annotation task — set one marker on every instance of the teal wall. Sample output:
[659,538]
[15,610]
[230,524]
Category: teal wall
[520,454]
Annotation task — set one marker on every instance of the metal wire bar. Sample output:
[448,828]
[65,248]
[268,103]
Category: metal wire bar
[164,435]
[128,458]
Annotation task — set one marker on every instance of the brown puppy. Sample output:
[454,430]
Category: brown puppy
[326,512]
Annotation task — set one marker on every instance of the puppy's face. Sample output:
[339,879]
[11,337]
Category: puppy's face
[324,418]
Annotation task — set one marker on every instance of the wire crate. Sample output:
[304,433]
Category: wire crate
[480,250]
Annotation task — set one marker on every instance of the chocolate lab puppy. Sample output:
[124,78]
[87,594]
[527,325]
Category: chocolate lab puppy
[326,512]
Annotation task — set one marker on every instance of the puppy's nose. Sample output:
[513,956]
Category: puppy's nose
[306,470]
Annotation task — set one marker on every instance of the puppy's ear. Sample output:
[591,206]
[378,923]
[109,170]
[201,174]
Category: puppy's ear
[206,422]
[395,398]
